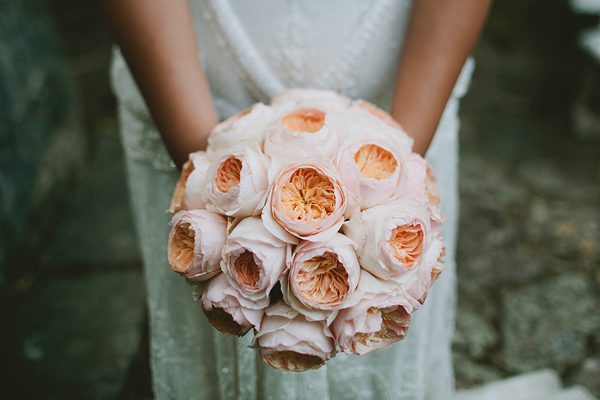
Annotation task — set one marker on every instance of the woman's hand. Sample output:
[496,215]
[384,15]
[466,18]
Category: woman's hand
[441,35]
[157,39]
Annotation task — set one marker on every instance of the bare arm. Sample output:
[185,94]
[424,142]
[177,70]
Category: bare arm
[441,35]
[158,42]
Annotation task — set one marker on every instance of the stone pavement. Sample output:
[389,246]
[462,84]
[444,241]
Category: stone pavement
[529,247]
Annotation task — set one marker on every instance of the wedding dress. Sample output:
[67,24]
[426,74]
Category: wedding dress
[251,50]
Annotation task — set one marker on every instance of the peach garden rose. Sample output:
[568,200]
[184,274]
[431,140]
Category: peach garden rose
[236,182]
[250,124]
[290,342]
[392,239]
[322,277]
[307,200]
[380,317]
[195,244]
[302,132]
[372,169]
[190,186]
[253,259]
[228,311]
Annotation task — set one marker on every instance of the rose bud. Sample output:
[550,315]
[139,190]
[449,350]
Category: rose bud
[236,182]
[322,277]
[289,342]
[195,244]
[392,239]
[302,132]
[325,100]
[307,200]
[381,316]
[422,187]
[228,311]
[372,169]
[253,259]
[248,125]
[188,191]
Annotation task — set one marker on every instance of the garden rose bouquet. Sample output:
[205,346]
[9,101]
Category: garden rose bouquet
[312,222]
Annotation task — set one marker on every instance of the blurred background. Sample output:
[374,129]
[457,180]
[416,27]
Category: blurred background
[72,304]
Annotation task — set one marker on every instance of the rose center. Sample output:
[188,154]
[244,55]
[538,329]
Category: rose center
[228,174]
[246,269]
[292,361]
[183,247]
[406,243]
[375,162]
[323,280]
[304,120]
[308,195]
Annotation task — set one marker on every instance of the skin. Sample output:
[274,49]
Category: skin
[441,35]
[157,39]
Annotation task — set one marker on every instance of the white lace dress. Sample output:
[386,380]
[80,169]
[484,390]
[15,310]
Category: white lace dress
[251,50]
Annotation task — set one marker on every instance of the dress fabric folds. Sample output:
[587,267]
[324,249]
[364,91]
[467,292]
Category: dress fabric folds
[251,50]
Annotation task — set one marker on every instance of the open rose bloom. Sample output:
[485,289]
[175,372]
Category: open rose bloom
[310,222]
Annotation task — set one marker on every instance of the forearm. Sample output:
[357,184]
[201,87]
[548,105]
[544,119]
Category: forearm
[158,42]
[441,35]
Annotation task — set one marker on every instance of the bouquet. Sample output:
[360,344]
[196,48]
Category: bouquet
[312,222]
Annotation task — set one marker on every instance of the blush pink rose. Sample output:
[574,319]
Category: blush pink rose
[372,169]
[322,277]
[380,316]
[189,188]
[392,239]
[228,311]
[289,342]
[250,124]
[237,182]
[302,132]
[195,244]
[254,259]
[307,200]
[422,187]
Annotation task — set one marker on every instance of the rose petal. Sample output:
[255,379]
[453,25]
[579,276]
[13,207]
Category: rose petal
[289,342]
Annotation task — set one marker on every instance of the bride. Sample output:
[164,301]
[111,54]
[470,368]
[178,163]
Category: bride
[200,61]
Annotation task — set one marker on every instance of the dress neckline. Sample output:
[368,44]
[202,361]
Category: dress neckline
[256,74]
